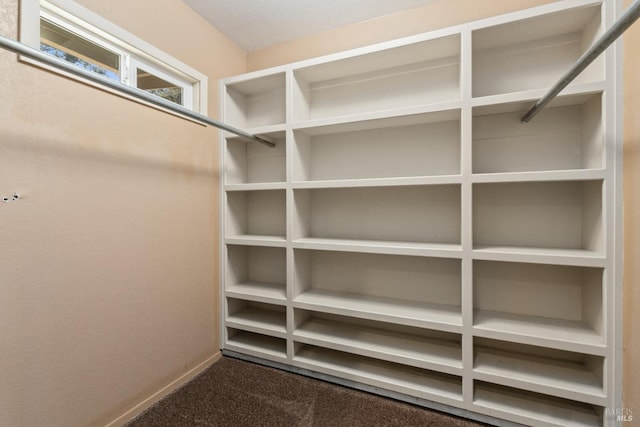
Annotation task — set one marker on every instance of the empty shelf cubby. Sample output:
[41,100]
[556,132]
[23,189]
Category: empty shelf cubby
[255,102]
[413,214]
[538,369]
[422,73]
[415,291]
[518,56]
[248,162]
[256,214]
[567,135]
[552,216]
[530,408]
[422,383]
[257,273]
[256,317]
[422,348]
[407,146]
[551,305]
[255,344]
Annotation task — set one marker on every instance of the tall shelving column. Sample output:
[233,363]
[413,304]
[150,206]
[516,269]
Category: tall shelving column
[254,219]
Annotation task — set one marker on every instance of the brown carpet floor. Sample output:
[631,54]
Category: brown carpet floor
[237,393]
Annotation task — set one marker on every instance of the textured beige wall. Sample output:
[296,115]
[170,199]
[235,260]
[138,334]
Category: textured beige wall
[444,13]
[108,264]
[438,14]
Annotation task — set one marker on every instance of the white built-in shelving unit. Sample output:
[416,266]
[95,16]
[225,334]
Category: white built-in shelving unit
[410,234]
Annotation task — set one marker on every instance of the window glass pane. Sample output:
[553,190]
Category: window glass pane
[77,50]
[160,87]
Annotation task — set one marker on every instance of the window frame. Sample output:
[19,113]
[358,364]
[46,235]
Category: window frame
[133,51]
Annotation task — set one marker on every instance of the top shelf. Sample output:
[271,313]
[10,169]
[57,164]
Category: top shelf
[256,102]
[534,53]
[421,73]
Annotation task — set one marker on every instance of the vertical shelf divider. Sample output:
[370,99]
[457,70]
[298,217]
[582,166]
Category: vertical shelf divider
[466,217]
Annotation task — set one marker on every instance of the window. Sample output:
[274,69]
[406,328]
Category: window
[70,32]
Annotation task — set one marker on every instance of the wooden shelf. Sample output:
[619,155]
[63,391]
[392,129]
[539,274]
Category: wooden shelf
[434,316]
[522,100]
[256,240]
[532,408]
[517,55]
[558,214]
[260,320]
[390,376]
[252,166]
[379,182]
[256,102]
[372,82]
[403,116]
[555,333]
[538,176]
[255,186]
[257,345]
[393,214]
[570,379]
[381,247]
[575,257]
[395,346]
[258,291]
[399,147]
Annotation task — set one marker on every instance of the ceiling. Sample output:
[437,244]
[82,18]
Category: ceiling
[256,24]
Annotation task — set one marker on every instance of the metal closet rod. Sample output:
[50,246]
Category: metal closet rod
[32,53]
[620,26]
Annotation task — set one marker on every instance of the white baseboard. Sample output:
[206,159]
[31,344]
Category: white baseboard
[157,396]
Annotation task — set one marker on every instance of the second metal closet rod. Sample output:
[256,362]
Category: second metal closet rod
[620,26]
[32,53]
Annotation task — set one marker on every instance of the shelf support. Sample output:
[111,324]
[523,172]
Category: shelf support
[29,52]
[620,26]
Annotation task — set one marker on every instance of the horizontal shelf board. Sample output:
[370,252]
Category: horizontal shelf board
[563,175]
[256,240]
[255,186]
[557,333]
[574,257]
[413,350]
[380,182]
[265,350]
[259,320]
[257,81]
[567,379]
[257,291]
[269,131]
[403,379]
[526,409]
[441,250]
[430,113]
[575,94]
[434,316]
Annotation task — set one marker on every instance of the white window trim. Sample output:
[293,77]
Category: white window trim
[135,63]
[80,16]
